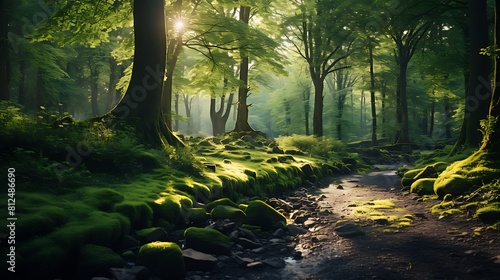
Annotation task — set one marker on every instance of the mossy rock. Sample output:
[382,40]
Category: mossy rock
[106,228]
[46,260]
[440,166]
[171,207]
[140,214]
[454,184]
[197,216]
[221,201]
[489,214]
[424,186]
[223,212]
[44,221]
[207,240]
[262,214]
[94,260]
[408,177]
[427,172]
[163,259]
[103,199]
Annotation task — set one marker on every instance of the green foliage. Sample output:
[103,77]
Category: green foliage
[94,260]
[311,144]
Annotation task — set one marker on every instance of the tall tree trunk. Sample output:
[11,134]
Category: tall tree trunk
[372,98]
[94,87]
[306,96]
[431,122]
[478,96]
[110,97]
[242,111]
[318,105]
[187,107]
[384,88]
[448,115]
[176,110]
[403,99]
[141,104]
[4,53]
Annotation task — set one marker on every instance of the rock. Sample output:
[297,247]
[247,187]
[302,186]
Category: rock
[221,201]
[279,233]
[308,172]
[255,265]
[242,261]
[275,262]
[128,255]
[234,235]
[197,216]
[198,261]
[127,242]
[427,172]
[207,240]
[259,250]
[94,260]
[277,150]
[133,273]
[153,234]
[261,214]
[164,260]
[489,214]
[223,212]
[349,230]
[310,222]
[424,186]
[295,230]
[248,244]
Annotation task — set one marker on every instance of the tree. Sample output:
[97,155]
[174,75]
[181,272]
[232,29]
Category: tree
[4,54]
[141,104]
[478,92]
[322,45]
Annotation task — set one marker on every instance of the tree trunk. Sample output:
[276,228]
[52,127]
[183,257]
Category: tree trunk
[21,98]
[219,117]
[306,95]
[141,104]
[372,98]
[478,96]
[242,109]
[404,125]
[94,87]
[187,108]
[176,110]
[448,114]
[4,53]
[110,97]
[384,88]
[431,122]
[318,106]
[40,96]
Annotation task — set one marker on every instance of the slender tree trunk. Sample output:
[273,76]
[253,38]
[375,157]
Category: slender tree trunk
[187,108]
[219,117]
[176,110]
[448,114]
[4,53]
[141,104]
[405,130]
[384,88]
[318,106]
[306,96]
[431,123]
[372,98]
[94,87]
[242,109]
[110,97]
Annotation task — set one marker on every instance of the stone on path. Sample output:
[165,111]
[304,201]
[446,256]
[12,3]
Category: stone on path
[349,230]
[198,261]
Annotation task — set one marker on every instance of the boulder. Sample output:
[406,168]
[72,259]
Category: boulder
[295,230]
[489,214]
[424,186]
[349,230]
[197,216]
[223,212]
[427,172]
[248,244]
[207,240]
[198,261]
[153,234]
[221,201]
[163,259]
[261,214]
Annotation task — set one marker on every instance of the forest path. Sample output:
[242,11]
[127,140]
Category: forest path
[364,234]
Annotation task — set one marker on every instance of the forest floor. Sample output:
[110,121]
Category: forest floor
[363,226]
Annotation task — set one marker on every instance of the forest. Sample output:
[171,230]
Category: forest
[251,139]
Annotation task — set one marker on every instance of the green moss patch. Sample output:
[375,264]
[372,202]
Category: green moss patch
[223,212]
[261,214]
[423,186]
[207,240]
[164,260]
[489,214]
[94,260]
[222,201]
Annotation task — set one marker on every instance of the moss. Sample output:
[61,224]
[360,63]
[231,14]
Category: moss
[489,214]
[102,198]
[139,213]
[223,212]
[163,259]
[423,186]
[221,201]
[440,166]
[94,260]
[106,228]
[171,207]
[207,240]
[197,216]
[261,214]
[46,261]
[408,176]
[461,176]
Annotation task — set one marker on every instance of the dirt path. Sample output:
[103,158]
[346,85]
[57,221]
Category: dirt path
[367,236]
